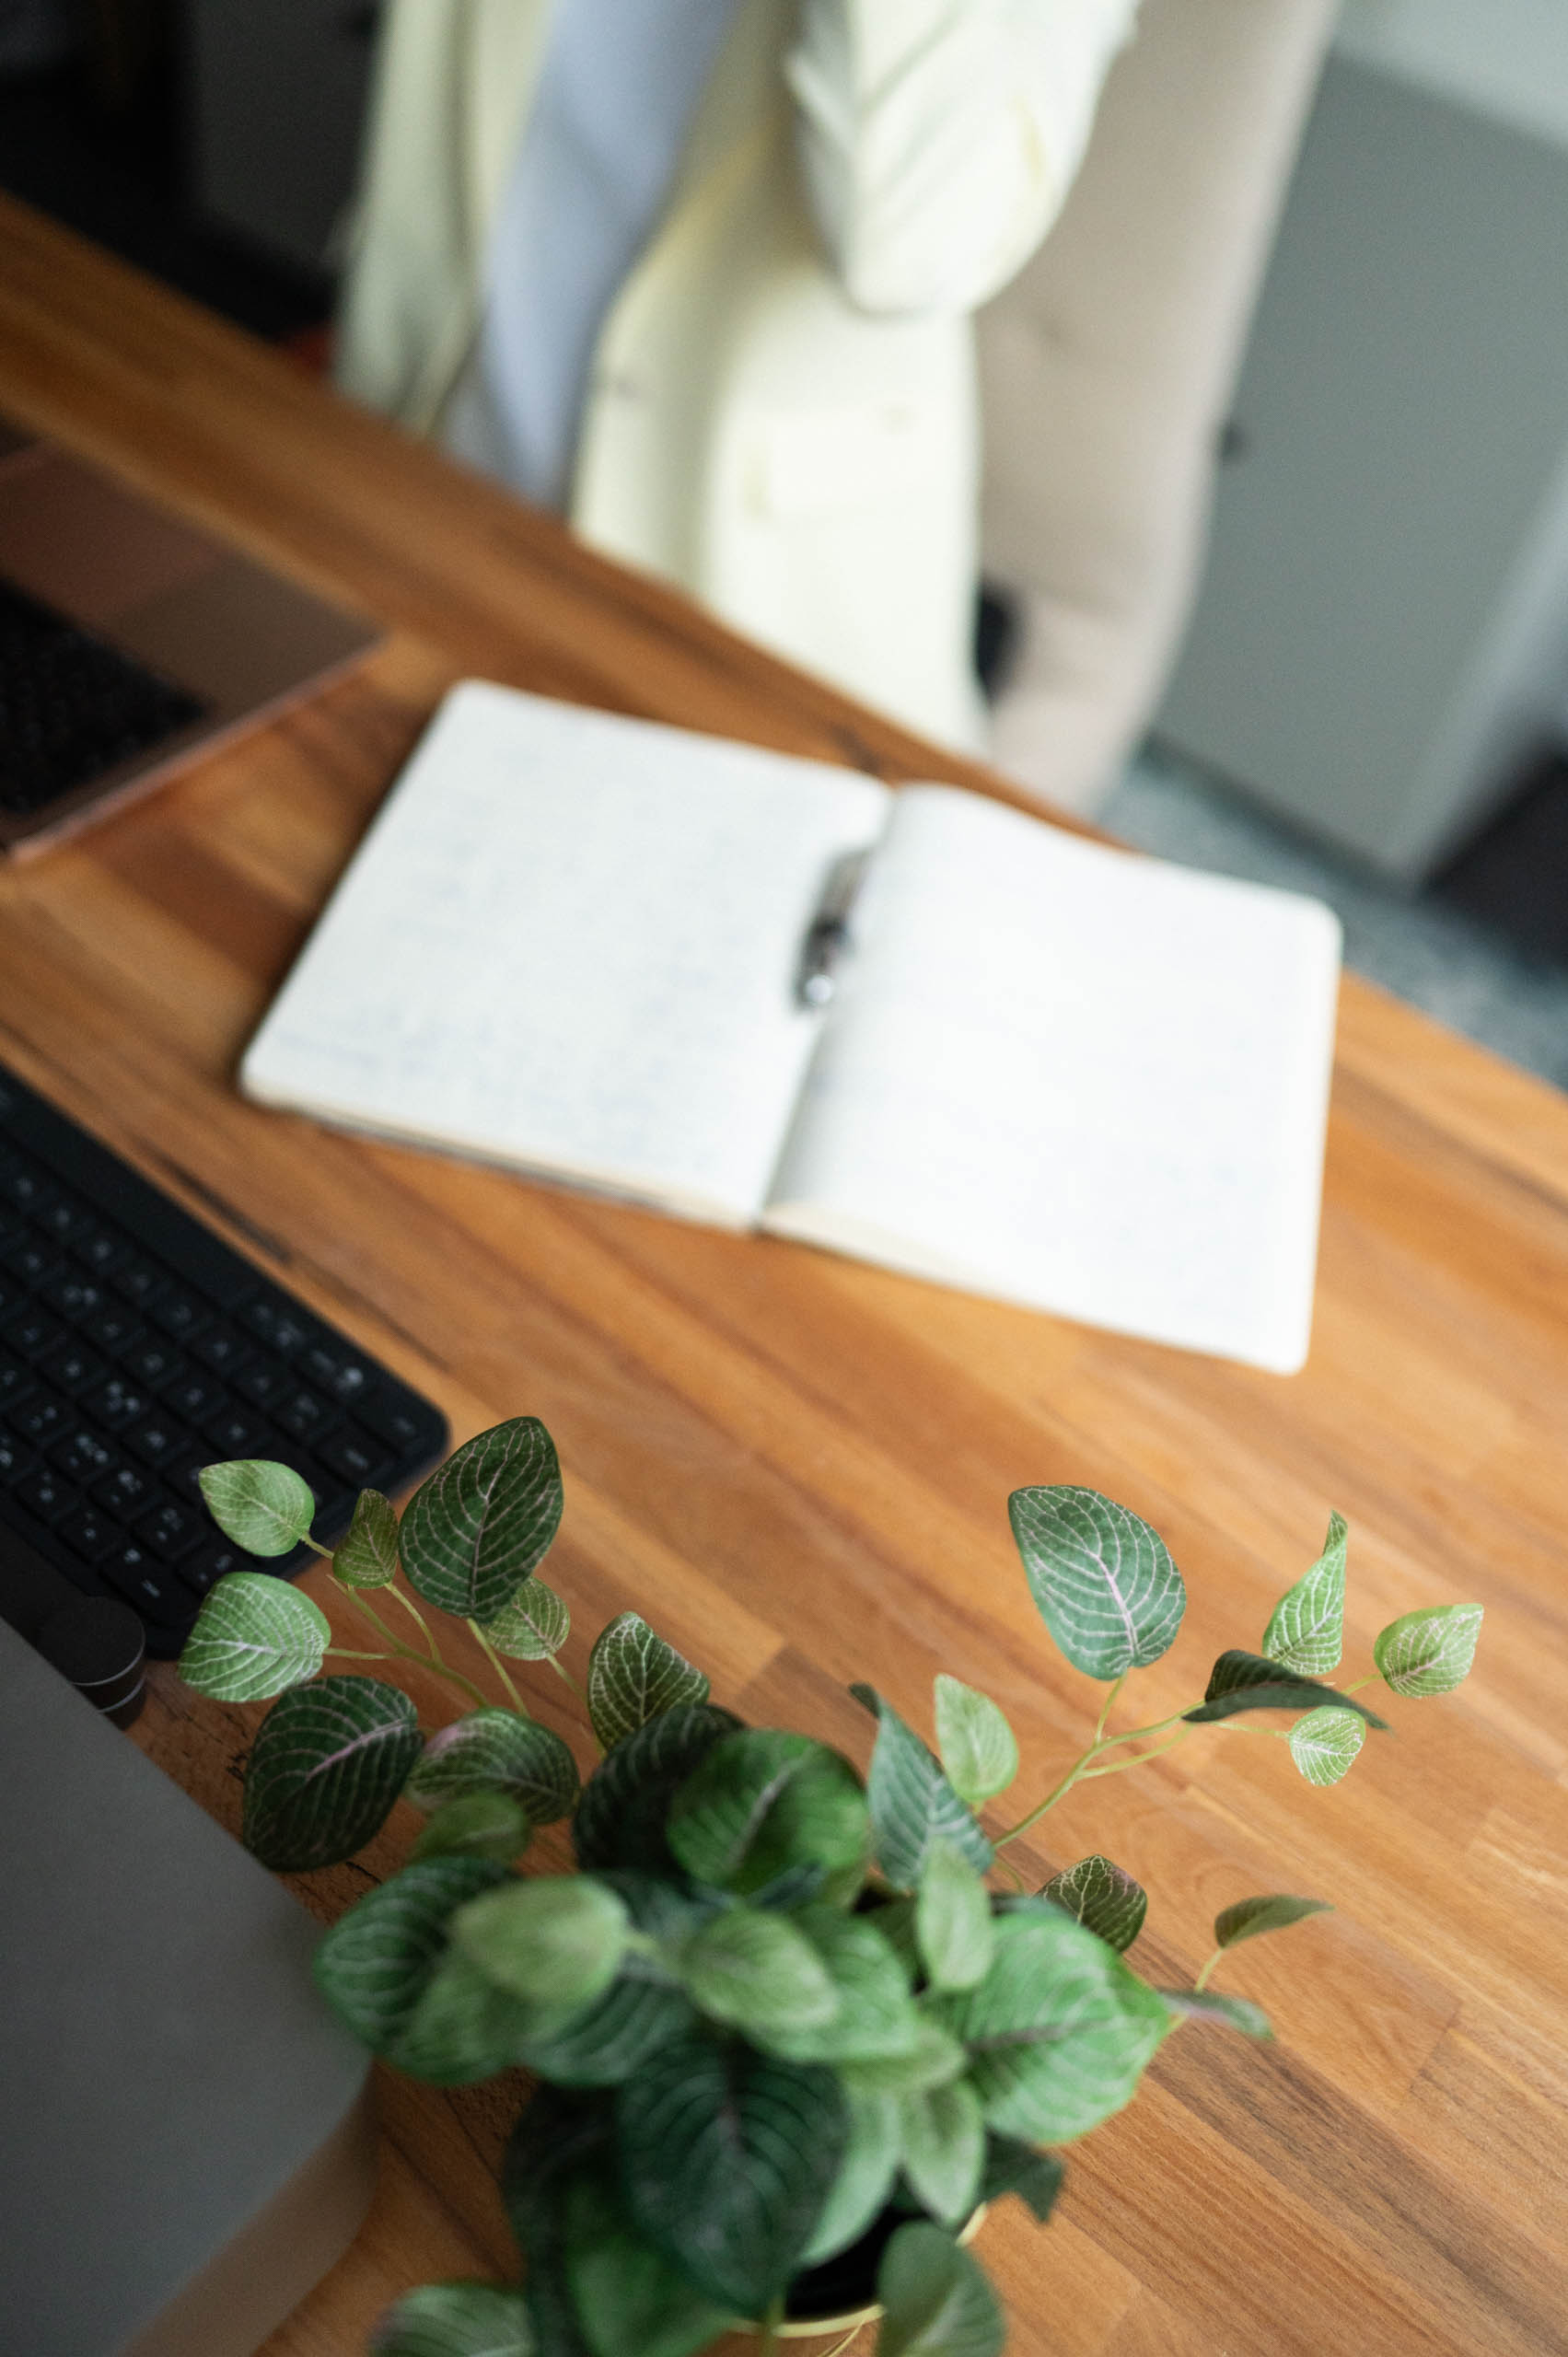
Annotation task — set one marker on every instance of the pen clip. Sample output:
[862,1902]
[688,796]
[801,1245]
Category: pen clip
[829,931]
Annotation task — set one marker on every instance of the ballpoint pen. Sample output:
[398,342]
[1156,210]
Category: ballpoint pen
[829,931]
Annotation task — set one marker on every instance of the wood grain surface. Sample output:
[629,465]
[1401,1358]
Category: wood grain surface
[797,1467]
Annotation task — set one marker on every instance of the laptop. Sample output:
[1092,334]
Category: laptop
[130,642]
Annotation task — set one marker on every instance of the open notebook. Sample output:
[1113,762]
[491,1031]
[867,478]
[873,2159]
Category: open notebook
[1076,1078]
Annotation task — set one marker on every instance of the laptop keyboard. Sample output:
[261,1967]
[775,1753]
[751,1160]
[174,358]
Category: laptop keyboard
[71,706]
[136,1347]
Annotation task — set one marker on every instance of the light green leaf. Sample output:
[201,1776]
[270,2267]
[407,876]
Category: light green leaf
[875,2015]
[913,1805]
[758,1974]
[367,1556]
[765,1801]
[1207,2004]
[1013,2166]
[532,1626]
[628,2295]
[493,1750]
[1103,1580]
[952,1918]
[635,1675]
[255,1636]
[1429,1653]
[1059,2030]
[1097,1893]
[937,2301]
[475,1824]
[1306,1630]
[374,1963]
[620,1819]
[934,2059]
[727,2157]
[864,2180]
[944,2148]
[464,2027]
[979,1750]
[604,2042]
[1243,1681]
[1251,1917]
[456,2321]
[327,1762]
[265,1509]
[484,1521]
[557,1943]
[1324,1744]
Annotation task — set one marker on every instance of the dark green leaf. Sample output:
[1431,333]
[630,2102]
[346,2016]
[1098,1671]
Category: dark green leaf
[464,2027]
[555,1941]
[367,1554]
[980,1751]
[1207,2004]
[1058,2032]
[1242,1682]
[265,1509]
[456,2321]
[757,1974]
[533,1626]
[1431,1652]
[865,2177]
[633,1676]
[629,2297]
[559,2136]
[727,2157]
[376,1962]
[1251,1917]
[1013,2166]
[952,1919]
[1306,1630]
[492,1751]
[255,1636]
[937,2299]
[475,1824]
[620,1817]
[913,1805]
[944,2148]
[327,1765]
[1097,1893]
[762,1801]
[484,1521]
[876,2016]
[607,2040]
[1102,1578]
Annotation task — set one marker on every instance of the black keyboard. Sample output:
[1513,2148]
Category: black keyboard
[72,705]
[136,1347]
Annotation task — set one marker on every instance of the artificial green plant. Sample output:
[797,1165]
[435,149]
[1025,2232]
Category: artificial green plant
[788,2032]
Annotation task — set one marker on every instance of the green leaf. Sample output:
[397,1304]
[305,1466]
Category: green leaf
[327,1762]
[913,1805]
[255,1636]
[634,1677]
[875,2016]
[367,1554]
[265,1509]
[484,1521]
[979,1750]
[1013,2166]
[475,1824]
[1429,1653]
[533,1626]
[1097,1893]
[1242,1681]
[1102,1579]
[628,2295]
[555,1942]
[937,2299]
[464,2028]
[456,2321]
[559,2136]
[1324,1744]
[952,1918]
[1059,2030]
[934,2059]
[763,1801]
[1249,1918]
[376,1962]
[944,2148]
[606,2041]
[859,2193]
[1306,1630]
[1207,2004]
[758,1974]
[620,1817]
[493,1750]
[726,2158]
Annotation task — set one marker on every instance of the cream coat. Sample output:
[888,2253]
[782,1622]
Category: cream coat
[781,414]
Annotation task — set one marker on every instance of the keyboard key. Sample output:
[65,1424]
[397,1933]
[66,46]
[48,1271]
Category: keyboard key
[213,1561]
[124,1489]
[15,1381]
[62,1219]
[223,1350]
[180,1314]
[265,1382]
[73,1370]
[91,1534]
[278,1326]
[234,1434]
[48,1494]
[345,1377]
[154,1361]
[26,1191]
[171,1530]
[114,1330]
[393,1418]
[118,1402]
[83,1457]
[138,1280]
[32,1333]
[15,1458]
[97,1249]
[195,1397]
[301,1413]
[28,1260]
[75,1296]
[43,1418]
[150,1586]
[353,1455]
[157,1442]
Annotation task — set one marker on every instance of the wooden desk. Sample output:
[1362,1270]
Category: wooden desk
[797,1466]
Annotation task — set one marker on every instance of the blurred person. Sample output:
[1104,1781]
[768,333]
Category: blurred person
[697,273]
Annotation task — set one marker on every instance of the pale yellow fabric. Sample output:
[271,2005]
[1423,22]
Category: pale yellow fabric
[781,411]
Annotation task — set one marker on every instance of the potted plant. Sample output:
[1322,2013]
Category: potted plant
[793,2026]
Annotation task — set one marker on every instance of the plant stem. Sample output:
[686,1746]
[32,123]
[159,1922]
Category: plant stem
[341,1653]
[1202,1980]
[411,1608]
[769,2342]
[407,1653]
[1120,1767]
[840,2346]
[1105,1710]
[1083,1766]
[498,1667]
[315,1547]
[561,1671]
